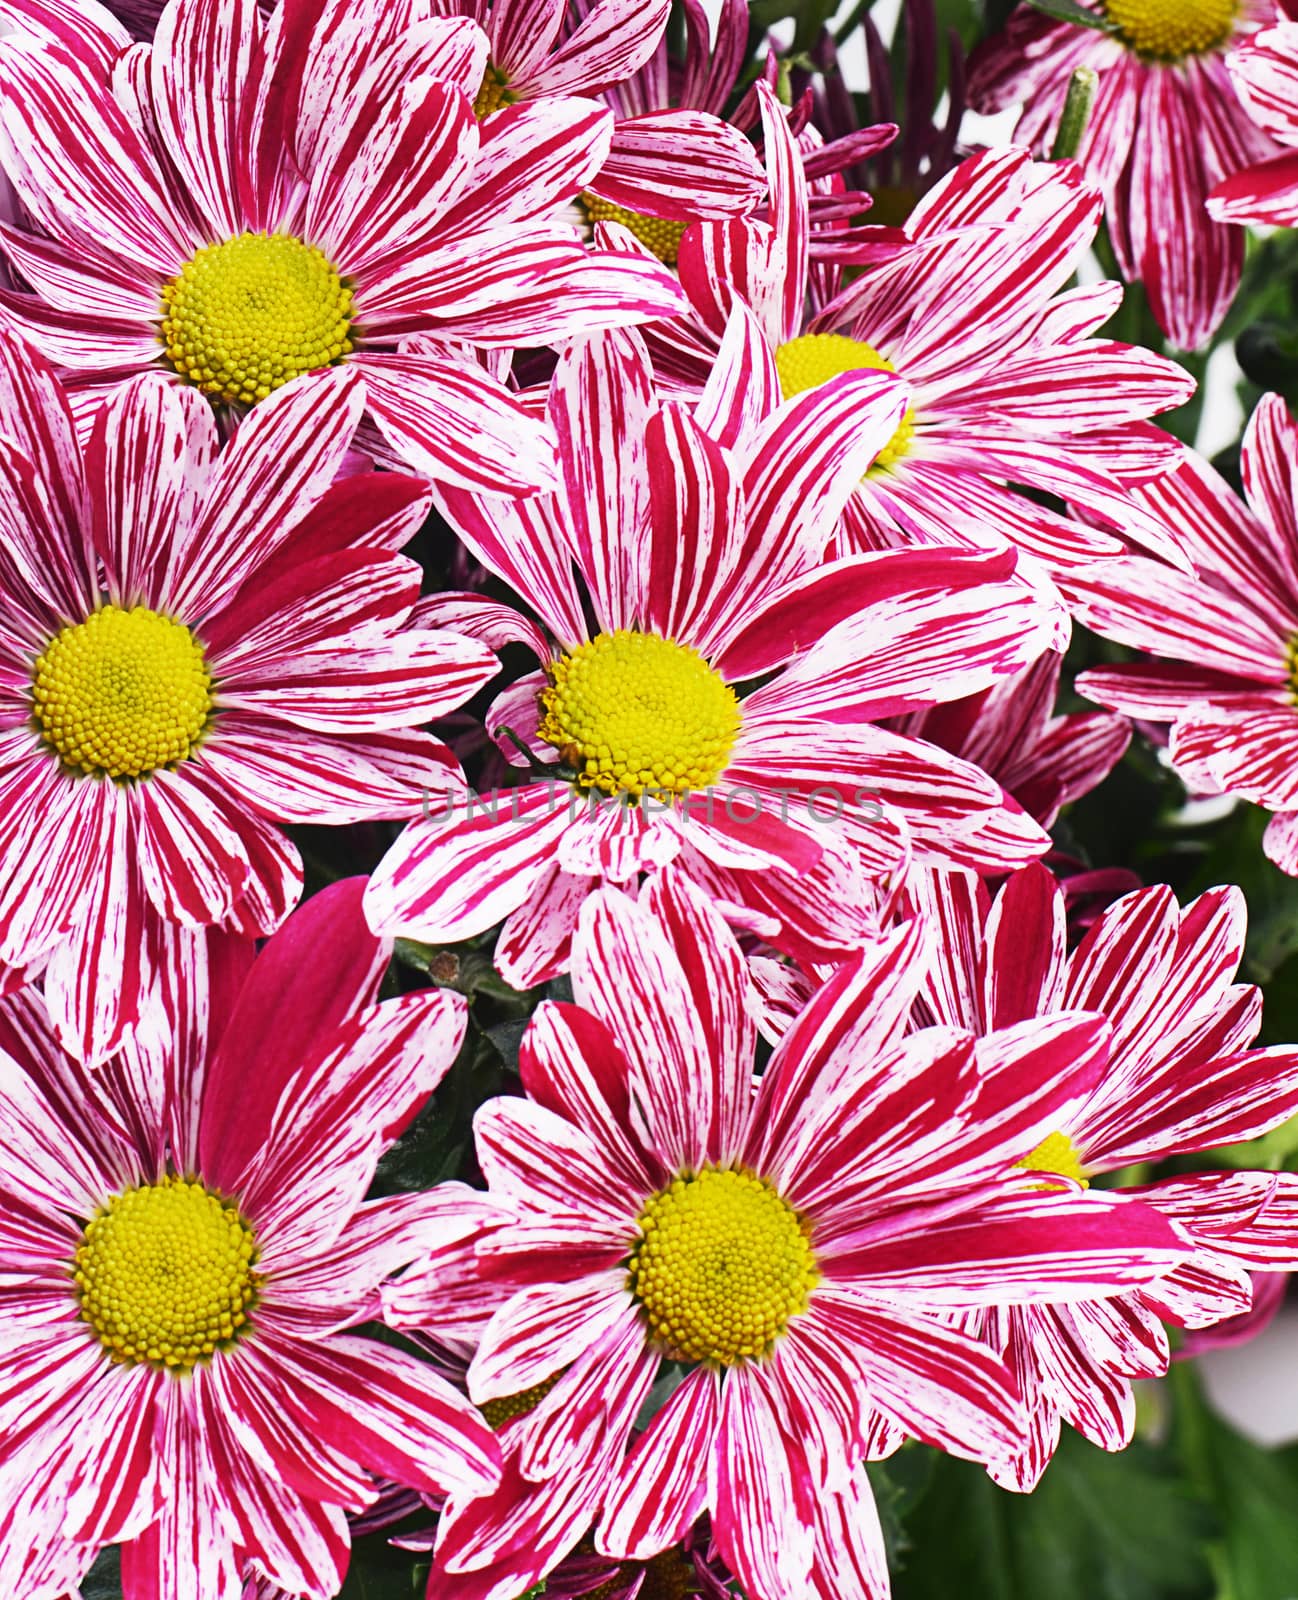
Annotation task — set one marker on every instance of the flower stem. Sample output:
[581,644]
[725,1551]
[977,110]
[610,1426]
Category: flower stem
[1076,114]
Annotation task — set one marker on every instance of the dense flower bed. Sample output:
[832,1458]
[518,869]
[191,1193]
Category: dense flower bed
[635,758]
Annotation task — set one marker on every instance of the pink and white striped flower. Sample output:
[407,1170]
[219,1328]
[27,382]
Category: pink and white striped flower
[708,686]
[1167,124]
[1008,387]
[1224,643]
[187,1251]
[667,162]
[243,202]
[1181,1078]
[1042,761]
[1265,73]
[800,1246]
[196,647]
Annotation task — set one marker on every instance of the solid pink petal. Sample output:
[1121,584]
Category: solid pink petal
[322,967]
[1026,940]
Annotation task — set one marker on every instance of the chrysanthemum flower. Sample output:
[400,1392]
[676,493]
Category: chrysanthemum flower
[707,685]
[187,1246]
[1042,761]
[797,1249]
[1180,1079]
[1225,673]
[249,201]
[1007,387]
[195,648]
[668,162]
[1265,72]
[1166,126]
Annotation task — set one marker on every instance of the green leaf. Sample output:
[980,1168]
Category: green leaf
[1255,1492]
[1070,11]
[439,1143]
[899,1483]
[380,1572]
[1098,1527]
[104,1580]
[1236,856]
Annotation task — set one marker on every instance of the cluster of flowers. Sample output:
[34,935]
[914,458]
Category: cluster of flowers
[793,514]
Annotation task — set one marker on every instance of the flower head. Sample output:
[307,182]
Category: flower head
[1181,1078]
[188,1250]
[272,198]
[797,1249]
[1167,124]
[708,686]
[1008,390]
[199,646]
[1222,642]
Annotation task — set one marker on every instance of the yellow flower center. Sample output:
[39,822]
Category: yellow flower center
[493,93]
[498,1412]
[631,712]
[1170,30]
[164,1274]
[814,358]
[252,313]
[722,1265]
[1058,1154]
[122,693]
[657,234]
